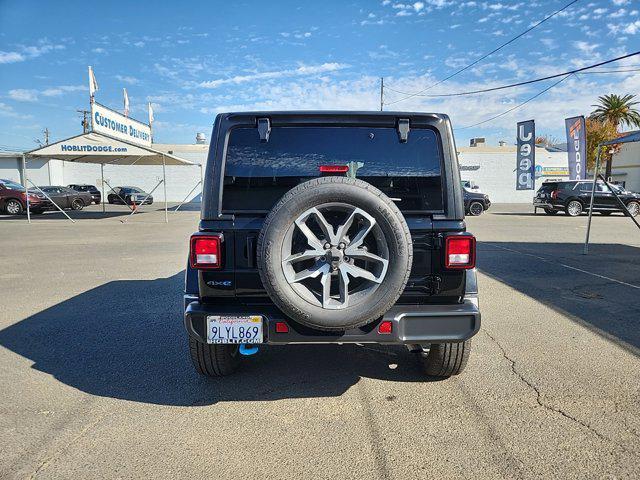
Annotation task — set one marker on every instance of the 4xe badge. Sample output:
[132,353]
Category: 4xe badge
[219,283]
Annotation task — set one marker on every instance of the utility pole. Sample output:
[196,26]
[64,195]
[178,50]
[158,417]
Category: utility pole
[381,93]
[85,121]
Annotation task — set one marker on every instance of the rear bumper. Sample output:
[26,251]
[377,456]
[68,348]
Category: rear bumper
[412,324]
[545,204]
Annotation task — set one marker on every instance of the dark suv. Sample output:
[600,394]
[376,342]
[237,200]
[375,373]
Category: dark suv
[331,227]
[475,202]
[574,197]
[96,196]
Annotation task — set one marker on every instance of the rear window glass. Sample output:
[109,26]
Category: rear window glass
[548,187]
[257,174]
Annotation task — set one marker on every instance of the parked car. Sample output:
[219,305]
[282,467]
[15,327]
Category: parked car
[129,196]
[67,197]
[475,203]
[574,197]
[13,199]
[96,196]
[293,248]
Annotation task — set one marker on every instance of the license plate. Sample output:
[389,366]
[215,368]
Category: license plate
[223,329]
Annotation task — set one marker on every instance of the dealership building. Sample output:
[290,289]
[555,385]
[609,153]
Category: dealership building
[492,168]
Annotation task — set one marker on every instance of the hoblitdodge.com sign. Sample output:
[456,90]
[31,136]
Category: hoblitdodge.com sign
[526,156]
[114,124]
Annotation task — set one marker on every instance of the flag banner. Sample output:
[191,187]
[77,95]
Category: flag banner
[126,102]
[93,84]
[576,147]
[526,156]
[114,124]
[151,119]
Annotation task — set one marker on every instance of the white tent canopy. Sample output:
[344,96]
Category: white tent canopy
[100,149]
[103,150]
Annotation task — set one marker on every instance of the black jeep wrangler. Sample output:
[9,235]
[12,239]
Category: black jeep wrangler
[331,227]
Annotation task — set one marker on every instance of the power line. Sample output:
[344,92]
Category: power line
[613,71]
[528,82]
[517,106]
[410,95]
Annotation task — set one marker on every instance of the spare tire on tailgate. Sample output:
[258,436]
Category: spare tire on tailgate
[334,253]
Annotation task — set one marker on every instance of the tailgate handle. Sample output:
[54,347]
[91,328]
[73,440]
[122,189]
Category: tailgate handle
[251,252]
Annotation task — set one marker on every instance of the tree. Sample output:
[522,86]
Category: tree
[598,132]
[616,111]
[545,140]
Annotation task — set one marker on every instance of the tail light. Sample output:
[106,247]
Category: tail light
[460,251]
[206,251]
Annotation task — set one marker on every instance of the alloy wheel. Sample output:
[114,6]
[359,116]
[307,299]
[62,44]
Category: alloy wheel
[574,208]
[476,208]
[335,255]
[13,207]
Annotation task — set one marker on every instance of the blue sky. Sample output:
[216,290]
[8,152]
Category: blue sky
[195,60]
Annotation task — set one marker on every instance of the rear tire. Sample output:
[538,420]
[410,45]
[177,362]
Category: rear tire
[634,208]
[550,211]
[574,208]
[77,204]
[214,360]
[446,359]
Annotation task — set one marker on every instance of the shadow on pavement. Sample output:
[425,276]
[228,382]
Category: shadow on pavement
[559,214]
[126,340]
[610,308]
[76,215]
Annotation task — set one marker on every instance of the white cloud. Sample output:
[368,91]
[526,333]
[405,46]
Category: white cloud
[62,89]
[11,57]
[8,111]
[586,47]
[629,28]
[23,95]
[99,50]
[32,95]
[303,70]
[128,79]
[24,52]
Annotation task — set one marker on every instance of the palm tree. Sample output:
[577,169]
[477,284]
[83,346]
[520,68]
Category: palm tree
[616,110]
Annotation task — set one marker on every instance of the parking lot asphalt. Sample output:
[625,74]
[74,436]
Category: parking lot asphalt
[96,381]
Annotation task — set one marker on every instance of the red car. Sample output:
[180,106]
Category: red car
[13,199]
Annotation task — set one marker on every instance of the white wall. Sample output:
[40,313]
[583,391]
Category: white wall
[494,170]
[626,166]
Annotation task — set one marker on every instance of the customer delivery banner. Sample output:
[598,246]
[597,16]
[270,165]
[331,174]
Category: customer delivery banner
[576,147]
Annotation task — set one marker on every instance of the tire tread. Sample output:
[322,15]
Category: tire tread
[213,360]
[447,359]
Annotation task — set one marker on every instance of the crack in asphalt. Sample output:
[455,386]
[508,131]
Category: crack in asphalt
[544,405]
[379,455]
